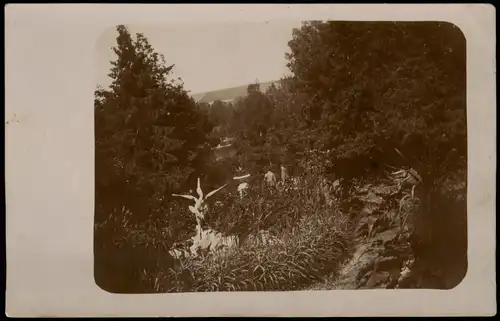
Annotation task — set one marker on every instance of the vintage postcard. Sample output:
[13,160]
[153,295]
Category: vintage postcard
[250,160]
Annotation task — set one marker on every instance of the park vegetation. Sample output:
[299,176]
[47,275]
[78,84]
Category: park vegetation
[364,99]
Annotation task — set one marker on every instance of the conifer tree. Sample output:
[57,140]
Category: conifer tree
[149,134]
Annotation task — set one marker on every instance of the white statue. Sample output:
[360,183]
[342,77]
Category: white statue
[199,204]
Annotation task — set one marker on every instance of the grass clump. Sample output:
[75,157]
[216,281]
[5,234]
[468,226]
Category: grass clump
[290,260]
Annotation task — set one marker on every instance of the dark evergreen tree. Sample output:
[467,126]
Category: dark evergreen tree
[150,137]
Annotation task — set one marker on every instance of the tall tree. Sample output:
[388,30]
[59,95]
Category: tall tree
[375,87]
[392,92]
[252,125]
[149,134]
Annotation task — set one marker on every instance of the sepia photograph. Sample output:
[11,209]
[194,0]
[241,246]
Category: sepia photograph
[280,156]
[250,160]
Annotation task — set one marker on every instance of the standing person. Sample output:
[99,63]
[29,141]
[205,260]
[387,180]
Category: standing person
[270,179]
[243,185]
[284,174]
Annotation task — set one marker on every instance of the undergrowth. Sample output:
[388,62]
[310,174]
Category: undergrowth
[296,257]
[309,239]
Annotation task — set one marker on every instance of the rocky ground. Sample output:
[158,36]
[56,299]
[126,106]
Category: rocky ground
[382,255]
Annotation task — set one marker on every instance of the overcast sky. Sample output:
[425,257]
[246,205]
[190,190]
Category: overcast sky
[211,57]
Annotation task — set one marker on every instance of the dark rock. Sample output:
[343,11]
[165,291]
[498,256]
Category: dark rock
[388,263]
[378,279]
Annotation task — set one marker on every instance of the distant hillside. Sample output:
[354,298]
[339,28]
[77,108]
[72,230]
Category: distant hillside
[227,94]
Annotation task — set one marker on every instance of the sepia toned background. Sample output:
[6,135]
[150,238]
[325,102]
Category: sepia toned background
[76,265]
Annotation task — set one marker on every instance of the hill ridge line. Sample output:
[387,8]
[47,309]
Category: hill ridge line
[228,93]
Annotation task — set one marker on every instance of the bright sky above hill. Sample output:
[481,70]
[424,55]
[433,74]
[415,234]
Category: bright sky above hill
[211,57]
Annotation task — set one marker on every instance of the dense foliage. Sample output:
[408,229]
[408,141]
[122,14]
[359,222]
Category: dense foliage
[364,97]
[150,137]
[365,93]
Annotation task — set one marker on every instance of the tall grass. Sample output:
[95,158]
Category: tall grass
[294,258]
[309,240]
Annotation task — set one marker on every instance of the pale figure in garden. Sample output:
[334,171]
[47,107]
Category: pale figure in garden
[270,179]
[284,174]
[242,187]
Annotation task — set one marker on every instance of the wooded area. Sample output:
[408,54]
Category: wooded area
[364,99]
